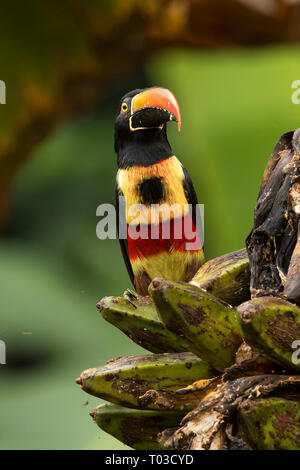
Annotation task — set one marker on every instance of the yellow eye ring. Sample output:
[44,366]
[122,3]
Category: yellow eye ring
[124,107]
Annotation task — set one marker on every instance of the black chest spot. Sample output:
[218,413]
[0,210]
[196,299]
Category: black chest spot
[151,190]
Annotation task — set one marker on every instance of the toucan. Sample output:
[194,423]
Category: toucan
[162,231]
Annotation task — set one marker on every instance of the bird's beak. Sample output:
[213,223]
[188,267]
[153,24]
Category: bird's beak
[152,108]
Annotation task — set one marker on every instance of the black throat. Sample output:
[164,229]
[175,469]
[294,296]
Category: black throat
[142,148]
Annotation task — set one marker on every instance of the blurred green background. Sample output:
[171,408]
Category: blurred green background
[53,270]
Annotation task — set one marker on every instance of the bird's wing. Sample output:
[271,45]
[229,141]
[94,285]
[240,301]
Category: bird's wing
[191,198]
[121,214]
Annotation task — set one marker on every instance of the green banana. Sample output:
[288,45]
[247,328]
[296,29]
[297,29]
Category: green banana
[138,319]
[226,277]
[271,325]
[124,380]
[270,424]
[135,428]
[208,324]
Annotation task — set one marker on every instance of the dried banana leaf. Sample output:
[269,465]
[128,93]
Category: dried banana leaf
[273,239]
[206,427]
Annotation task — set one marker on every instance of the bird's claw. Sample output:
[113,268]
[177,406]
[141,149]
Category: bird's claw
[130,296]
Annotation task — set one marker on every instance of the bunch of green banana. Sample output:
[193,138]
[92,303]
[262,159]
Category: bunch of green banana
[226,345]
[154,323]
[156,390]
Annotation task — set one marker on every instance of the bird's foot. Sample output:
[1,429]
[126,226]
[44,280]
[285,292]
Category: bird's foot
[130,296]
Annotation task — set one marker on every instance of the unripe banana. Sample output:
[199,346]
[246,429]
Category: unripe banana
[226,277]
[209,325]
[135,428]
[140,322]
[270,424]
[124,380]
[271,325]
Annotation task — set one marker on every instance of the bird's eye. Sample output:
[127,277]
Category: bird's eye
[124,107]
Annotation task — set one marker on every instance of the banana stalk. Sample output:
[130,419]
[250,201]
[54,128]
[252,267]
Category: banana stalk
[135,428]
[124,380]
[292,283]
[271,325]
[209,425]
[138,319]
[226,277]
[184,399]
[209,325]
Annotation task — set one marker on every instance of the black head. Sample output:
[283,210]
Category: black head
[140,127]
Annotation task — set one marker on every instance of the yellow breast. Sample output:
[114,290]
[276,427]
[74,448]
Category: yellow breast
[170,172]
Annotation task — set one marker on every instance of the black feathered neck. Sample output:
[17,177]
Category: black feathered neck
[141,148]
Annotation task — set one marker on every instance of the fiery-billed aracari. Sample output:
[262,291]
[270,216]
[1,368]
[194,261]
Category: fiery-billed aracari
[149,174]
